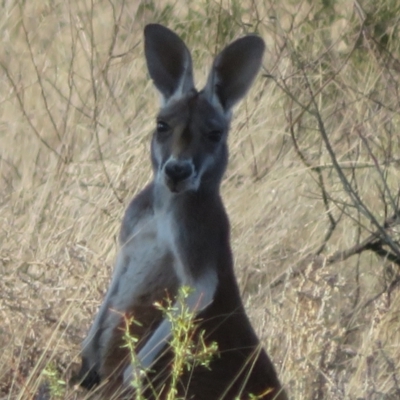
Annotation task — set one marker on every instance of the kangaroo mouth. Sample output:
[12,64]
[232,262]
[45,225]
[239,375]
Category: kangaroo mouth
[177,187]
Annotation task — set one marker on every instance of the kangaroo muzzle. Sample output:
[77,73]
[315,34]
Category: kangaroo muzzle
[178,175]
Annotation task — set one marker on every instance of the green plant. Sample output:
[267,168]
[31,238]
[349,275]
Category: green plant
[53,382]
[131,343]
[189,346]
[187,342]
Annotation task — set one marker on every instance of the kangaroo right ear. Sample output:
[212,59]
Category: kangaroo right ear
[168,61]
[234,70]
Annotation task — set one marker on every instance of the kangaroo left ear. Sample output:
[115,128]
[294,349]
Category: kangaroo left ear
[234,70]
[168,61]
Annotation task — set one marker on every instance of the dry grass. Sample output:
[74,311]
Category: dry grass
[77,109]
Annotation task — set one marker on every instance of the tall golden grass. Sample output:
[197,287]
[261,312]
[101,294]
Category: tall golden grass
[77,111]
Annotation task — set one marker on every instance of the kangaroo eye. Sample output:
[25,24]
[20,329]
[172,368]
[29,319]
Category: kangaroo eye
[214,136]
[162,127]
[163,130]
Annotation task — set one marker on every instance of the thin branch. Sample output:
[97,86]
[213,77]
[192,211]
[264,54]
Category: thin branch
[96,102]
[346,184]
[373,242]
[39,78]
[25,114]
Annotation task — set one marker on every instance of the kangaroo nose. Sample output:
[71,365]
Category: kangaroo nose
[178,171]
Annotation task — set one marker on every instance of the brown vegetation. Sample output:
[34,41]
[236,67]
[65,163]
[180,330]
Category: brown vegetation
[312,189]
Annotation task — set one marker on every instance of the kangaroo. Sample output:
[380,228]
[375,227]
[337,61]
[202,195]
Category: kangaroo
[176,232]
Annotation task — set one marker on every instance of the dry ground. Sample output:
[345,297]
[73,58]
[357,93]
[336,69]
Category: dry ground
[76,113]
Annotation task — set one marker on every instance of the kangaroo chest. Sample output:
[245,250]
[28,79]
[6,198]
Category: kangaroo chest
[150,261]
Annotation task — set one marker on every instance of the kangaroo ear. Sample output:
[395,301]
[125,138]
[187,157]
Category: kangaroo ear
[168,61]
[234,70]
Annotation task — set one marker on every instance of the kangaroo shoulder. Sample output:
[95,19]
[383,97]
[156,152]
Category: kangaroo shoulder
[140,207]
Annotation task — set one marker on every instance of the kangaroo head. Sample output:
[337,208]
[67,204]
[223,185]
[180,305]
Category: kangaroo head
[189,146]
